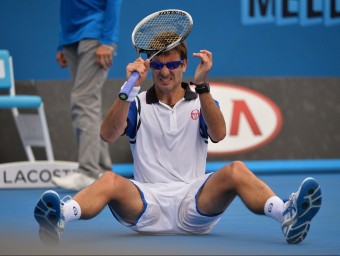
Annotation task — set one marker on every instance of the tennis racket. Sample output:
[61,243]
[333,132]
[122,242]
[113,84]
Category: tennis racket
[158,32]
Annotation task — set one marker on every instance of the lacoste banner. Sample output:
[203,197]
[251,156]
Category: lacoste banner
[33,174]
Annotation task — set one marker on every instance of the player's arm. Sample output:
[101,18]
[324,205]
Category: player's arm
[115,123]
[212,114]
[213,117]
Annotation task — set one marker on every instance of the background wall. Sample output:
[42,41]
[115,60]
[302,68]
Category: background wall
[286,50]
[310,109]
[247,37]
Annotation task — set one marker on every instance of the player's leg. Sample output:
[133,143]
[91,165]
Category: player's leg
[236,179]
[120,193]
[230,181]
[51,212]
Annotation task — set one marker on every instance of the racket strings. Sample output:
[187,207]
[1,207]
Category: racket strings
[162,31]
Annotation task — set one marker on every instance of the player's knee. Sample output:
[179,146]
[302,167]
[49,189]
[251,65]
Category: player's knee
[238,165]
[108,175]
[108,179]
[236,170]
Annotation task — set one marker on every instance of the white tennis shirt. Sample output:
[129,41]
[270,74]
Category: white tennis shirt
[170,144]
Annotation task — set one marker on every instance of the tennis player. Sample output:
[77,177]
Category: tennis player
[169,127]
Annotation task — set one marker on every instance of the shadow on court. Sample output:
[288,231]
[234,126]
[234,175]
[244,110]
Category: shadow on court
[238,232]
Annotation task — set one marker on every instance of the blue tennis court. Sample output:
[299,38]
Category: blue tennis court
[239,231]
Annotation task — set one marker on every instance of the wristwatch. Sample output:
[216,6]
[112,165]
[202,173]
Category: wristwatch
[201,88]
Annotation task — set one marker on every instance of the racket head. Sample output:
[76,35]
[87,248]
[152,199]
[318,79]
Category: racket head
[161,31]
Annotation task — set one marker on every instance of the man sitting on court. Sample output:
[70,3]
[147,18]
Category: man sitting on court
[170,192]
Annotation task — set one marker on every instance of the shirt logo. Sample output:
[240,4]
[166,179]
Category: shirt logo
[195,114]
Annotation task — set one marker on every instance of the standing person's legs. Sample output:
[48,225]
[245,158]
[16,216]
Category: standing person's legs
[86,106]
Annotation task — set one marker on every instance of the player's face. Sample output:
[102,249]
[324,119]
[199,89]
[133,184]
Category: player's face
[167,70]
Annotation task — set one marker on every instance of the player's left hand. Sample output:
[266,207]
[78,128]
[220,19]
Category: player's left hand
[203,67]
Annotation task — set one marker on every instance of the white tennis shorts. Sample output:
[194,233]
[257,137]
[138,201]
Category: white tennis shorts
[171,208]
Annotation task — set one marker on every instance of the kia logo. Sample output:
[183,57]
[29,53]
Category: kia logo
[252,119]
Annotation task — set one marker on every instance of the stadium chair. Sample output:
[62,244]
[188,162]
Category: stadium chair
[32,127]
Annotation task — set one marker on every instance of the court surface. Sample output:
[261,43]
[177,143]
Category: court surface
[238,233]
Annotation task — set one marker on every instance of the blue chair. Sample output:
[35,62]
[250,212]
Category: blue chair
[32,127]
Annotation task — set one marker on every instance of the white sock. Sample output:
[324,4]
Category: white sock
[274,208]
[72,211]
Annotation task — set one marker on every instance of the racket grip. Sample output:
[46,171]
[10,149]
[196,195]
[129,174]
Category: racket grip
[130,83]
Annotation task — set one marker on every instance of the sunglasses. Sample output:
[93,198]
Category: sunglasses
[171,65]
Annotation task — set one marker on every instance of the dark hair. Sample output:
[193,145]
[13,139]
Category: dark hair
[181,49]
[163,39]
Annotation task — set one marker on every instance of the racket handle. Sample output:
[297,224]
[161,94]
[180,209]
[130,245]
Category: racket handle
[130,83]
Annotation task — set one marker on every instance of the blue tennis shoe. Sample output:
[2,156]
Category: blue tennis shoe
[49,214]
[299,210]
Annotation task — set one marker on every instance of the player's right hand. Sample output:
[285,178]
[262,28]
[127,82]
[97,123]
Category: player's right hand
[141,66]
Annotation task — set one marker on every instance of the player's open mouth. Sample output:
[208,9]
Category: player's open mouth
[165,80]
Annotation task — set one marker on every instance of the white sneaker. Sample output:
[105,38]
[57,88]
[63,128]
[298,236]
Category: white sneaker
[300,209]
[49,214]
[74,181]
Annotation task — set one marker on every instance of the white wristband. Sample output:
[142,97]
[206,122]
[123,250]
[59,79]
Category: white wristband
[134,92]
